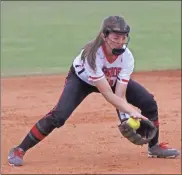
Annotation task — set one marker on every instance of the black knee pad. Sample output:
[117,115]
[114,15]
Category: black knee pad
[56,119]
[49,123]
[149,108]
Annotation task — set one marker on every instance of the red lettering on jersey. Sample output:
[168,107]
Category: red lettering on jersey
[111,72]
[118,71]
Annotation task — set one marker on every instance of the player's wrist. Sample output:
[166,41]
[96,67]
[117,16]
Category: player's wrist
[123,115]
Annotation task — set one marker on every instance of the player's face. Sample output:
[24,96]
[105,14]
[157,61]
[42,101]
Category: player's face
[117,40]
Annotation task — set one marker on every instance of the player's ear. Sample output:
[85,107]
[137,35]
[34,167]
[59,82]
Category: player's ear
[103,36]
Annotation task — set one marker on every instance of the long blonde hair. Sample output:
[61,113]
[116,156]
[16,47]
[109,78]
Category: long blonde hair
[90,49]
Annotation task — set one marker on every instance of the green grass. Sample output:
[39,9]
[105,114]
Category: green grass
[44,37]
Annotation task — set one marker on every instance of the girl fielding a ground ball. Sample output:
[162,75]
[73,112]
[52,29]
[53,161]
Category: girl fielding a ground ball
[104,66]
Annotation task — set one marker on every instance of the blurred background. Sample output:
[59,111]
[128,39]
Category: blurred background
[44,37]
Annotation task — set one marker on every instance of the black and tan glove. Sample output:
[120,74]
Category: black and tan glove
[141,136]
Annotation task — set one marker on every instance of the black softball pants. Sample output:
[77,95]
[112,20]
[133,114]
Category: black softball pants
[75,91]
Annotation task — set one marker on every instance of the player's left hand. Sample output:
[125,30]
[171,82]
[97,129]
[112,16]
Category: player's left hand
[141,136]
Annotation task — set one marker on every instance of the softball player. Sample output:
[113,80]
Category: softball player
[105,66]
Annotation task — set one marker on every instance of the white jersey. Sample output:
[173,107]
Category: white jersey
[119,70]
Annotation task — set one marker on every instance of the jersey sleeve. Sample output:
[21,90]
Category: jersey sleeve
[127,69]
[97,74]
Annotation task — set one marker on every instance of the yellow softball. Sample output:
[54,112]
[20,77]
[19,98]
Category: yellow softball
[134,123]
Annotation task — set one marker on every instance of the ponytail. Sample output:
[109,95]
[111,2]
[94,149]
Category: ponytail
[90,51]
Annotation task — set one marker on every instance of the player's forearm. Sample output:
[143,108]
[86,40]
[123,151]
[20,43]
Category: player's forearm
[120,90]
[121,95]
[119,103]
[116,101]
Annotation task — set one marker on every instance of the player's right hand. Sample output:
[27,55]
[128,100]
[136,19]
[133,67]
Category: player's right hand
[137,115]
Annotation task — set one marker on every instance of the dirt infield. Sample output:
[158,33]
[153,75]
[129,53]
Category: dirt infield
[90,141]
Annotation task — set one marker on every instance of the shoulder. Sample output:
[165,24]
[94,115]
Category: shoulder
[128,53]
[99,56]
[128,56]
[100,53]
[79,53]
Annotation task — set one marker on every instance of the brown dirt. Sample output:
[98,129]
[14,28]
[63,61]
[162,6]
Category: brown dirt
[90,141]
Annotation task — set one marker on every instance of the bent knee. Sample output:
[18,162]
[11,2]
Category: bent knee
[57,118]
[149,103]
[149,108]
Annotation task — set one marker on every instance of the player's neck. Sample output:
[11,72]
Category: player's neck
[109,56]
